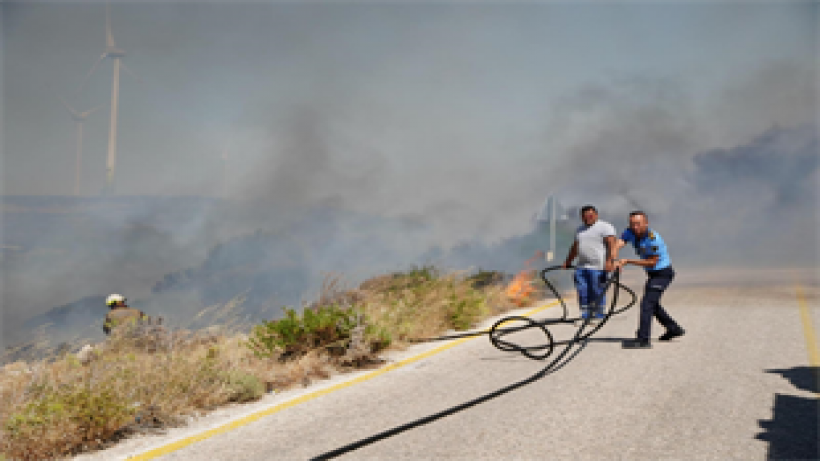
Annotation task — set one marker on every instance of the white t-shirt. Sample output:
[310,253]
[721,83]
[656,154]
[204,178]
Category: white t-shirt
[591,247]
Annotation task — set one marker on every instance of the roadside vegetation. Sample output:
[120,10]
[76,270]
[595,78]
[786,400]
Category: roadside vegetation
[147,378]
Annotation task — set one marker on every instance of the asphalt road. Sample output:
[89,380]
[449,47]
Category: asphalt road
[739,385]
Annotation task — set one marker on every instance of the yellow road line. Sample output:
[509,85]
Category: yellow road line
[174,446]
[808,332]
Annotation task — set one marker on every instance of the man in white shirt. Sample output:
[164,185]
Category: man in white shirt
[594,246]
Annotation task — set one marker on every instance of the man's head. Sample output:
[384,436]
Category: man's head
[589,215]
[638,222]
[114,301]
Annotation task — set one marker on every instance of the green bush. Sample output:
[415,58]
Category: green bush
[294,335]
[378,337]
[244,387]
[426,273]
[413,278]
[98,413]
[484,278]
[465,310]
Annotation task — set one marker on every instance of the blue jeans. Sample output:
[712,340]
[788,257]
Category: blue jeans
[590,284]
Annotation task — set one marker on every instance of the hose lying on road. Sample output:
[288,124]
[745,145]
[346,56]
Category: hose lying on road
[496,333]
[542,352]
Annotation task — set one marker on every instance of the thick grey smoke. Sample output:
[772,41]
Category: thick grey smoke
[763,193]
[780,163]
[642,144]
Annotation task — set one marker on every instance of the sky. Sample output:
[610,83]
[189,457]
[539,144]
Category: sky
[460,117]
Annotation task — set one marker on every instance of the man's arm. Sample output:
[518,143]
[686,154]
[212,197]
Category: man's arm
[107,325]
[618,263]
[573,252]
[648,262]
[609,242]
[619,243]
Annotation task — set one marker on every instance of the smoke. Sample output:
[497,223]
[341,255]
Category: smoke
[763,193]
[625,141]
[312,160]
[780,163]
[60,249]
[638,144]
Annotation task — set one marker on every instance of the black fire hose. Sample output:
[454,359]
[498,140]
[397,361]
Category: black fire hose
[542,352]
[496,333]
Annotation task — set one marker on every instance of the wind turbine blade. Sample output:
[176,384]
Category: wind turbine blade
[90,111]
[93,68]
[65,104]
[109,38]
[136,77]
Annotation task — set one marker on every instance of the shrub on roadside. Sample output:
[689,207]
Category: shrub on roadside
[71,408]
[483,278]
[294,335]
[60,420]
[466,309]
[378,337]
[424,302]
[244,387]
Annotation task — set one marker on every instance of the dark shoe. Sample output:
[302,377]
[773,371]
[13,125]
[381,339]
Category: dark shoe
[672,334]
[636,344]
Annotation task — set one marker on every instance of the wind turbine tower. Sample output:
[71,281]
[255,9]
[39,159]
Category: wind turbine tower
[115,55]
[79,119]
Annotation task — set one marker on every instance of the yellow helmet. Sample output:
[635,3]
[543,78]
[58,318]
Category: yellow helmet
[114,299]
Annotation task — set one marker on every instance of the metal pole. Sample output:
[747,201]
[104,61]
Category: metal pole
[551,254]
[111,162]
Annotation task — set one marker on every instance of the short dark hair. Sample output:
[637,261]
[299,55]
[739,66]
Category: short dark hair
[638,213]
[586,208]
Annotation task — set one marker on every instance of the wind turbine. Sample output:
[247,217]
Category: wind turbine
[115,54]
[79,119]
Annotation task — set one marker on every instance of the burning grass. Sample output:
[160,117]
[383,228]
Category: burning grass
[131,384]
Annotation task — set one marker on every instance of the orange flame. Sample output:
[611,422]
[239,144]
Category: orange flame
[520,289]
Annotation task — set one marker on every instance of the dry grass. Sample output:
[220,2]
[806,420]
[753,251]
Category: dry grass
[53,409]
[144,380]
[424,303]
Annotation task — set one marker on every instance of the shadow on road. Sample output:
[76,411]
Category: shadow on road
[803,378]
[610,339]
[554,366]
[792,433]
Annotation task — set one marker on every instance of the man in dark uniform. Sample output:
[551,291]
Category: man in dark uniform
[655,260]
